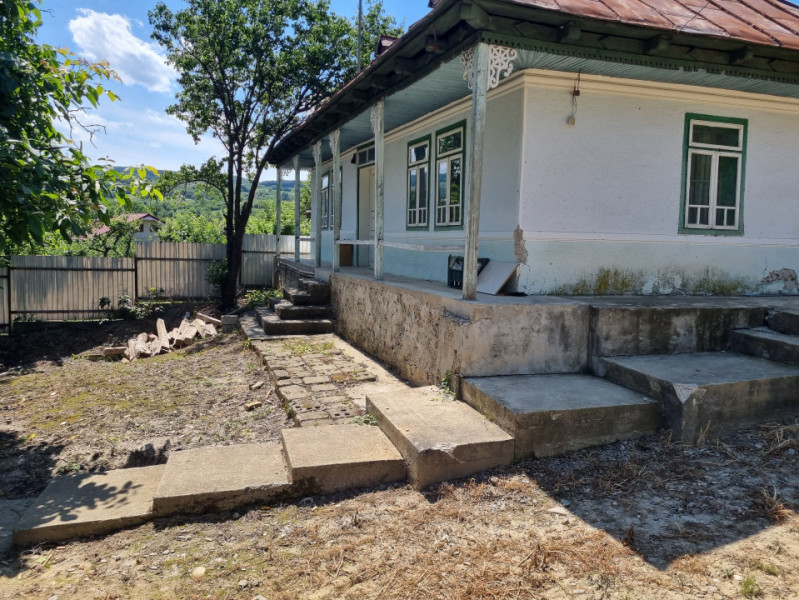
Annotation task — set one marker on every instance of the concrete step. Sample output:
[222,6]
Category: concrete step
[274,325]
[784,321]
[221,478]
[90,504]
[552,414]
[287,311]
[710,392]
[314,294]
[766,343]
[439,438]
[332,458]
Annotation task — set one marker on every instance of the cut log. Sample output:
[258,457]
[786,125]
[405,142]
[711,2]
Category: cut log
[163,337]
[155,347]
[209,320]
[210,330]
[186,338]
[184,325]
[199,325]
[114,350]
[173,335]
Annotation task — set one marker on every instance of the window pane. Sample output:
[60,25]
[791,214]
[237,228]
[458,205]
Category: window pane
[455,181]
[450,142]
[719,217]
[704,216]
[412,176]
[728,181]
[325,181]
[730,218]
[442,183]
[419,153]
[699,190]
[717,136]
[422,187]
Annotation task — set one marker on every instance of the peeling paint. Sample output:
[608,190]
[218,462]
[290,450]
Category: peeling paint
[519,246]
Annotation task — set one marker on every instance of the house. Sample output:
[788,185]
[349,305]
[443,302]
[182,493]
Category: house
[621,146]
[148,224]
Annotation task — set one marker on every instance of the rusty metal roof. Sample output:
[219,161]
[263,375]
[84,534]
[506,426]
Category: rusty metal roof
[765,22]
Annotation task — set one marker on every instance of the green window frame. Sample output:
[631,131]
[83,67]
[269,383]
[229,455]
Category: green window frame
[325,221]
[418,181]
[450,145]
[714,167]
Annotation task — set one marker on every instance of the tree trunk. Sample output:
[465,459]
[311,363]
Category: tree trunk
[230,286]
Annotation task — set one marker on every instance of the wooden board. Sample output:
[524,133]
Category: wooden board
[494,277]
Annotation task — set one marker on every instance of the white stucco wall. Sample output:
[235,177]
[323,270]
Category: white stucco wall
[605,193]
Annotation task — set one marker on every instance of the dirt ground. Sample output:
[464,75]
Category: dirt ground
[642,519]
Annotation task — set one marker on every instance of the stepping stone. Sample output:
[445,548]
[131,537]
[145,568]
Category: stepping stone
[90,504]
[333,458]
[251,328]
[766,343]
[439,438]
[553,414]
[221,478]
[710,393]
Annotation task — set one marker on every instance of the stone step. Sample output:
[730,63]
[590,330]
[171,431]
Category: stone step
[766,343]
[303,298]
[312,286]
[287,311]
[221,478]
[552,414]
[90,504]
[274,325]
[439,438]
[332,458]
[710,392]
[784,321]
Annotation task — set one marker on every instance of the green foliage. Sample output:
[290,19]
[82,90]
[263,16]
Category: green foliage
[217,272]
[750,588]
[115,243]
[261,297]
[46,181]
[187,227]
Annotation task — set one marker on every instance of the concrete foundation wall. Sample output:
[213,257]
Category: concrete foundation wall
[424,335]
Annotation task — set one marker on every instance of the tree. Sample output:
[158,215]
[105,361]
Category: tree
[47,183]
[248,71]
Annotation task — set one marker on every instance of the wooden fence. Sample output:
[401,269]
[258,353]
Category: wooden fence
[69,287]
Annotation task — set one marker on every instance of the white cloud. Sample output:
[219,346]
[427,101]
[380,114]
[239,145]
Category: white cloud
[103,36]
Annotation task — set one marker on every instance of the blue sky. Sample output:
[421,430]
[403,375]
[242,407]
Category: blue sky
[138,130]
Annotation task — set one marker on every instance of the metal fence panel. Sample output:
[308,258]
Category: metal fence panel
[175,270]
[66,287]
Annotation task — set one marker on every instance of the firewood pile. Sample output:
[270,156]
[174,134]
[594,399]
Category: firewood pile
[146,345]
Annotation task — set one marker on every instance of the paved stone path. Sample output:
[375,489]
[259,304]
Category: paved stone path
[321,379]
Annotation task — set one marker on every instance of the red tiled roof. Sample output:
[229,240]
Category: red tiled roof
[765,22]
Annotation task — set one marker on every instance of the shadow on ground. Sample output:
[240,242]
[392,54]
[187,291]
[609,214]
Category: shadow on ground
[665,500]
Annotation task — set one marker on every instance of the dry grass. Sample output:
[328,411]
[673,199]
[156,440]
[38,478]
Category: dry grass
[780,437]
[767,503]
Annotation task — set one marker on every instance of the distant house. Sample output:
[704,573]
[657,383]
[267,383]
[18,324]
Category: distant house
[149,225]
[601,145]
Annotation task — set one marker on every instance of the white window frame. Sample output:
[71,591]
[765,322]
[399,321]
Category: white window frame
[416,215]
[716,152]
[444,211]
[324,218]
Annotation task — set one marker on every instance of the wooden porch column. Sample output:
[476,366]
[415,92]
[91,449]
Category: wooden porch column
[474,191]
[297,208]
[317,202]
[278,197]
[336,182]
[378,126]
